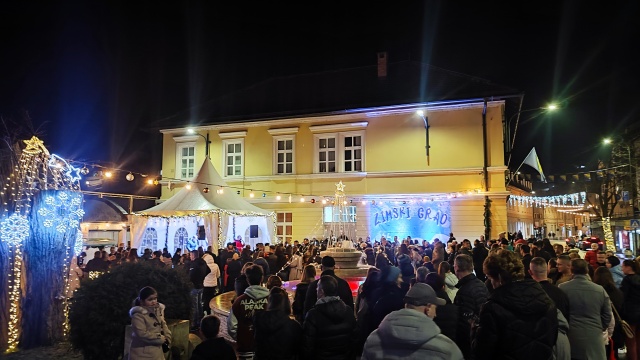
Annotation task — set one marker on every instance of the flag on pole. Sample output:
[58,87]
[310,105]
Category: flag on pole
[533,161]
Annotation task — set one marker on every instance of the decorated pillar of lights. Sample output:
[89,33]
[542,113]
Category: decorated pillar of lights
[40,243]
[608,234]
[341,224]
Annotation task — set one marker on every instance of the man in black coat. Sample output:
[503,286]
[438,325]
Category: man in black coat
[480,253]
[538,271]
[328,264]
[525,251]
[329,327]
[472,294]
[198,270]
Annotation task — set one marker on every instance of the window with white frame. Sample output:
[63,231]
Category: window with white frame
[185,157]
[326,145]
[348,214]
[284,154]
[339,152]
[352,150]
[233,157]
[284,226]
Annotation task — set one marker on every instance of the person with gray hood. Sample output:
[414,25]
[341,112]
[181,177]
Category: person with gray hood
[411,333]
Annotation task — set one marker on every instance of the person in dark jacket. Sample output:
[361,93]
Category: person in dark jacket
[387,297]
[519,321]
[525,251]
[630,287]
[234,267]
[344,291]
[241,283]
[447,314]
[308,276]
[603,277]
[278,337]
[212,346]
[538,272]
[260,260]
[272,260]
[472,294]
[329,327]
[198,270]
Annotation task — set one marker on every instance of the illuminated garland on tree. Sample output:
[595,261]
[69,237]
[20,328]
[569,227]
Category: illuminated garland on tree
[47,237]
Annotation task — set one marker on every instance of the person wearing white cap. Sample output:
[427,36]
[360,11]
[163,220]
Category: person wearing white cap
[411,333]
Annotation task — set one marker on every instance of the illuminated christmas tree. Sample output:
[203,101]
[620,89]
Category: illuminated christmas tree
[39,230]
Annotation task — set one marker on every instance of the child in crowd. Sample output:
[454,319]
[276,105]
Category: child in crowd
[212,346]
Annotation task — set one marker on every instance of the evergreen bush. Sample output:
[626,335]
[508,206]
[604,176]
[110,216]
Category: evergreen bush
[99,310]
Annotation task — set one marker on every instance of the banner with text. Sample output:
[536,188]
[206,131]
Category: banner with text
[424,220]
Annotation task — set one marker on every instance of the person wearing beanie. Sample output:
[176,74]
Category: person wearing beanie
[613,263]
[387,297]
[327,265]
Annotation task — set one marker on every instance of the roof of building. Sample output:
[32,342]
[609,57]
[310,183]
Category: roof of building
[407,82]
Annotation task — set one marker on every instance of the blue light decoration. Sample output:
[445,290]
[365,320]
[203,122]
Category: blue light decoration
[425,220]
[14,229]
[71,173]
[77,247]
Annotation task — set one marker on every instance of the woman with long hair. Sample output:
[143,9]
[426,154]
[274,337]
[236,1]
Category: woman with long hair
[149,331]
[630,287]
[308,276]
[450,280]
[602,276]
[277,336]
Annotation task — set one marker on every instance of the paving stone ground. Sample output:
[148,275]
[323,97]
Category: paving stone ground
[60,351]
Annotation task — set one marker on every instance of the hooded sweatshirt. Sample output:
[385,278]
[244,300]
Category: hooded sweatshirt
[409,334]
[240,321]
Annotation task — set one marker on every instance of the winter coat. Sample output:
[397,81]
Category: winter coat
[588,318]
[272,260]
[147,326]
[329,330]
[240,320]
[387,297]
[344,291]
[297,307]
[562,349]
[197,272]
[240,285]
[216,348]
[264,265]
[295,267]
[409,334]
[278,337]
[211,280]
[519,321]
[591,257]
[233,271]
[471,295]
[559,298]
[617,274]
[447,316]
[630,287]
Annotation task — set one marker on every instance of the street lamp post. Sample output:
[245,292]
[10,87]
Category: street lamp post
[206,139]
[511,142]
[425,119]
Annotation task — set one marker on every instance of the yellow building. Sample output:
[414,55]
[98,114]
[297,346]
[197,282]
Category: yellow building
[291,164]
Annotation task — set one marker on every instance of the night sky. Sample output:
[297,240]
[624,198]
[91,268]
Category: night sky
[93,75]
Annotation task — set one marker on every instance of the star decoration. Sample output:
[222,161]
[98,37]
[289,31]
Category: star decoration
[340,186]
[35,146]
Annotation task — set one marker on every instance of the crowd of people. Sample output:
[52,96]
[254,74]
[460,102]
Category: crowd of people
[497,299]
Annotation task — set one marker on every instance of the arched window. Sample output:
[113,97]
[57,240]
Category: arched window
[149,239]
[180,239]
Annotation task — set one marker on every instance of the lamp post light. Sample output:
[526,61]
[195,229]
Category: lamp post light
[425,119]
[507,125]
[206,139]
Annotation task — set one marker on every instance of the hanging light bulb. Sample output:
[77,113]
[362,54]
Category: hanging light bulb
[364,202]
[84,170]
[129,177]
[302,199]
[251,194]
[205,190]
[150,181]
[324,201]
[188,186]
[278,197]
[108,174]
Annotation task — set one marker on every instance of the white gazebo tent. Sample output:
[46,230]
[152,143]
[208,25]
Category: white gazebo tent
[224,215]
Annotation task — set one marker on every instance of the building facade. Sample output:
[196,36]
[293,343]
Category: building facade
[393,184]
